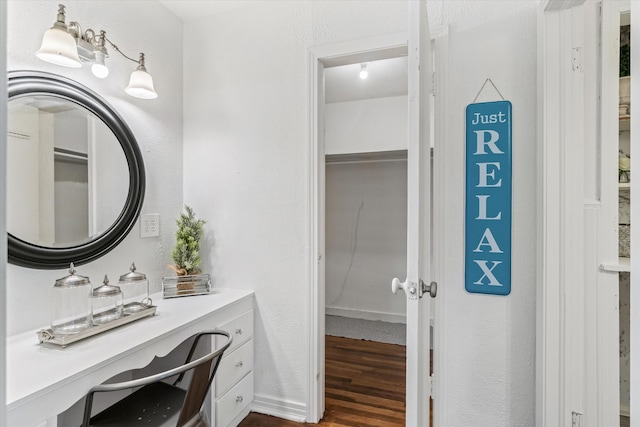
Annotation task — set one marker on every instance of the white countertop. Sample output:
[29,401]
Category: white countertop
[37,370]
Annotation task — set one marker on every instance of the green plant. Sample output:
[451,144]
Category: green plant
[625,61]
[625,50]
[186,253]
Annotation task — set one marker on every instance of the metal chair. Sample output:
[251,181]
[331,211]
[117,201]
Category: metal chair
[158,403]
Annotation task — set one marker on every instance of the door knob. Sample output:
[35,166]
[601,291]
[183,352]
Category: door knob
[406,286]
[412,290]
[431,288]
[396,284]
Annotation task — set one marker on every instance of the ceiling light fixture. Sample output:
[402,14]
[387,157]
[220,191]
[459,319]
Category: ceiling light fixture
[363,71]
[69,46]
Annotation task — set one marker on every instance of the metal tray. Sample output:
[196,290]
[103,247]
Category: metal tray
[47,335]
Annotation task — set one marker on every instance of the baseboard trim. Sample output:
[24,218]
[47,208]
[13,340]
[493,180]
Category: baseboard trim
[366,315]
[286,409]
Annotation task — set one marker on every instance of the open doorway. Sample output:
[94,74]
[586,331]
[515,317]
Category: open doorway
[365,239]
[356,53]
[365,198]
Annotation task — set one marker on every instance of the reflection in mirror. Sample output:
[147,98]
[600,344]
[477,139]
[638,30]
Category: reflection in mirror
[68,176]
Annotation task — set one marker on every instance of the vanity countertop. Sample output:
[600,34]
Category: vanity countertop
[47,373]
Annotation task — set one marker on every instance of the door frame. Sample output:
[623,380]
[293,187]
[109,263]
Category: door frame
[3,199]
[635,218]
[576,300]
[349,52]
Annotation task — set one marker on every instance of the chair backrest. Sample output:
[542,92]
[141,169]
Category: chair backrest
[204,369]
[201,379]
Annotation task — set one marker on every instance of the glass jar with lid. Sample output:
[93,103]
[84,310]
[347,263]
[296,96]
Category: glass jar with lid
[135,288]
[71,304]
[107,303]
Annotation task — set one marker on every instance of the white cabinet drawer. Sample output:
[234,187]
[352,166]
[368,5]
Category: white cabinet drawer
[233,367]
[234,401]
[240,328]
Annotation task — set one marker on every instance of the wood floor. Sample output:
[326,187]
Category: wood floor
[365,386]
[624,421]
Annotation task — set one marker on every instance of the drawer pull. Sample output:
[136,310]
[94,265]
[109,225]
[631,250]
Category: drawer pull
[239,331]
[239,399]
[239,364]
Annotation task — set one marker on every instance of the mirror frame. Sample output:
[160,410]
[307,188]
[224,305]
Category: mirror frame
[25,254]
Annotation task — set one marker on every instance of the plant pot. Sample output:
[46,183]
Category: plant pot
[185,284]
[179,286]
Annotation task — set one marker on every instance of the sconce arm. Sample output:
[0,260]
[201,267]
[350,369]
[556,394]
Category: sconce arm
[117,49]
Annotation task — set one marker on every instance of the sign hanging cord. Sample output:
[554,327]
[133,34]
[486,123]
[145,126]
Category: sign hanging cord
[483,85]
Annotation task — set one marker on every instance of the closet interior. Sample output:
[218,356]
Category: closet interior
[365,198]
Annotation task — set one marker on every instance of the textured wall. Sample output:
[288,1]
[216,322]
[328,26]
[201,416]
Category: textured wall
[246,157]
[490,363]
[246,152]
[366,215]
[134,26]
[378,124]
[366,239]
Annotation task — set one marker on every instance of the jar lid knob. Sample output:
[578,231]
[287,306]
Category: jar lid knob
[106,289]
[72,279]
[132,275]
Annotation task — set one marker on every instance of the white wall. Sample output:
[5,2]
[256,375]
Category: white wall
[246,151]
[366,215]
[134,26]
[246,145]
[490,340]
[71,130]
[26,190]
[108,174]
[369,125]
[366,238]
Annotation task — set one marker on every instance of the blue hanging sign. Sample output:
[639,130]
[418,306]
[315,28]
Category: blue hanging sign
[488,198]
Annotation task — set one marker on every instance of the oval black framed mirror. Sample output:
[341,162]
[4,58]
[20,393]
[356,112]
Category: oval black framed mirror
[75,174]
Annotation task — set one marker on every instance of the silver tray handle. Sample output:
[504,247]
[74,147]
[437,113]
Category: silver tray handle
[45,335]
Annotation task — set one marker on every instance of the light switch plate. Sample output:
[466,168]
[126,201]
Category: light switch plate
[149,225]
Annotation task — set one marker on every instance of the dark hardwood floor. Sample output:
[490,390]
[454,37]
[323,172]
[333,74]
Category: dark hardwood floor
[365,386]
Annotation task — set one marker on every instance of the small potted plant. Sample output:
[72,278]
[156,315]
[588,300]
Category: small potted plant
[186,253]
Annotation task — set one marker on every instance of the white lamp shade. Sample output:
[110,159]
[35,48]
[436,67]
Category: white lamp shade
[141,85]
[59,47]
[99,69]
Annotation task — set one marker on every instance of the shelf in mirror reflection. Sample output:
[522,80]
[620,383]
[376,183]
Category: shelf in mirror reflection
[623,265]
[624,123]
[624,186]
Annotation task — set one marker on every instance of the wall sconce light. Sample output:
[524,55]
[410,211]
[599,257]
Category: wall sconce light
[70,47]
[364,73]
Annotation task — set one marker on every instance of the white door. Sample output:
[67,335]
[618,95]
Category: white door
[418,220]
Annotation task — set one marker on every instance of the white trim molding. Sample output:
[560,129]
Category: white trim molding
[319,57]
[577,322]
[3,198]
[332,54]
[635,219]
[281,408]
[366,314]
